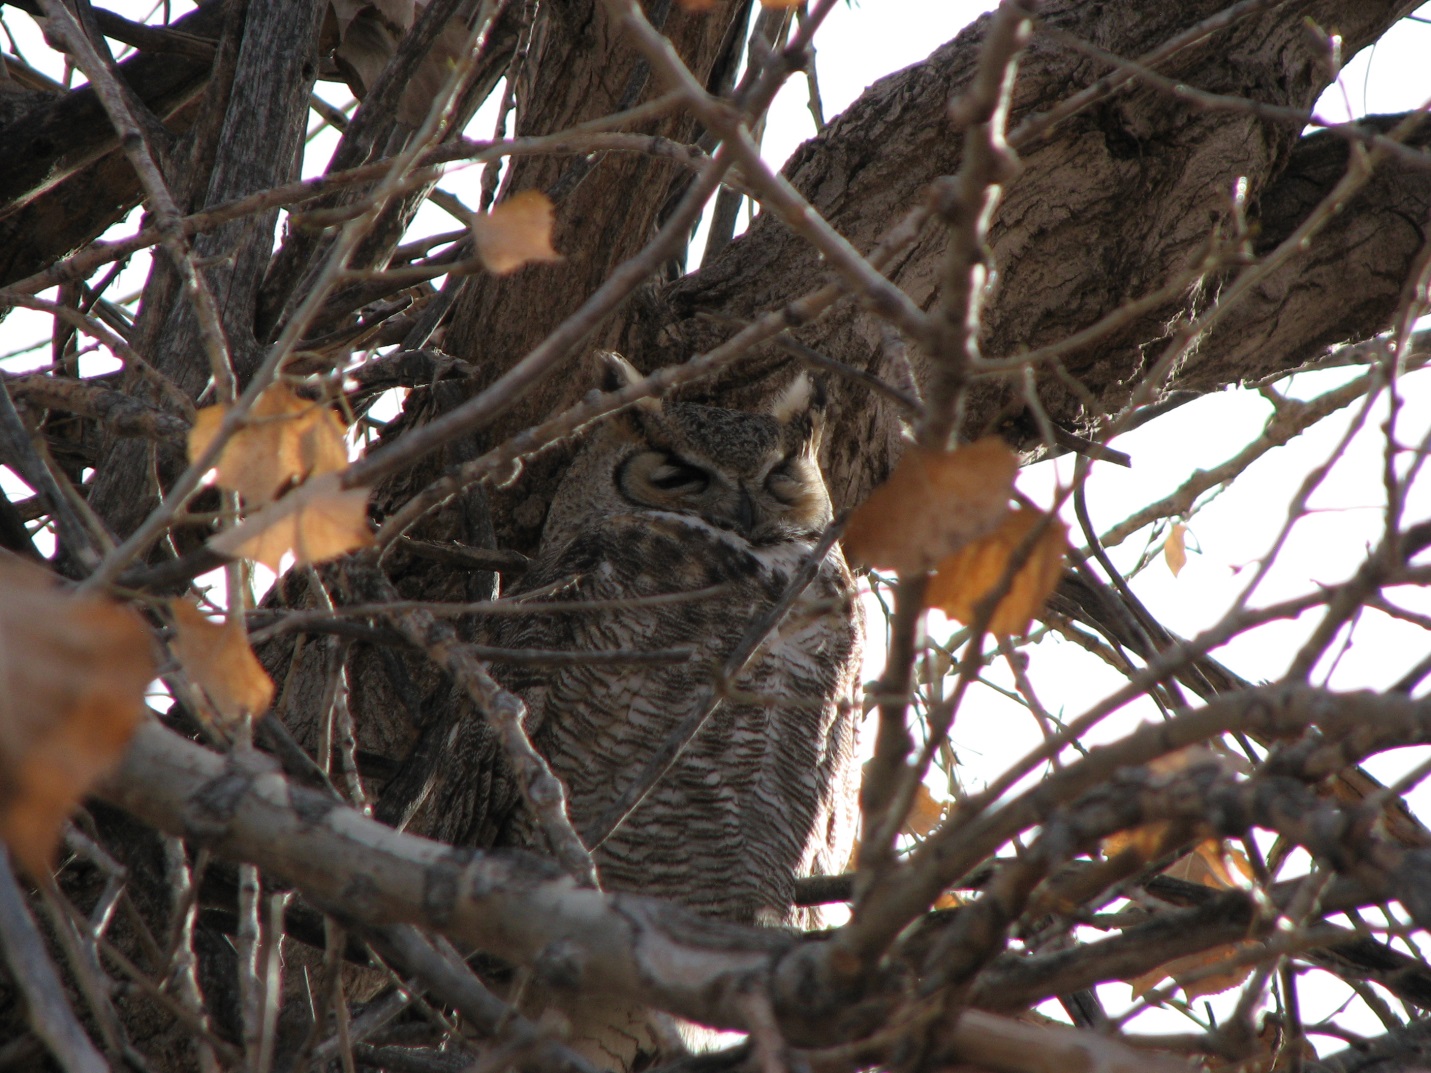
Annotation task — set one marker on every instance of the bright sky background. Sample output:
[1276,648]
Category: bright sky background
[860,43]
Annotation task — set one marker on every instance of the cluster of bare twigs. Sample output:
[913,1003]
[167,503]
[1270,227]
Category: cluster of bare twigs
[944,257]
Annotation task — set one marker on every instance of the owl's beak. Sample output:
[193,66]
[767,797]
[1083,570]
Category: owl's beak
[744,513]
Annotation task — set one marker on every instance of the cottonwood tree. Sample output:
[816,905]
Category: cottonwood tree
[1066,222]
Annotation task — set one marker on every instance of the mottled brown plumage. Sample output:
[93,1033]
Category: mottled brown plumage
[700,516]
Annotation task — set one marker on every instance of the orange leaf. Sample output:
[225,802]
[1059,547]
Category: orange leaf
[934,503]
[315,522]
[925,812]
[1208,981]
[1147,841]
[218,658]
[1175,551]
[73,671]
[970,574]
[517,231]
[287,439]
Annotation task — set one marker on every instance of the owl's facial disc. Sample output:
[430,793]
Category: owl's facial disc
[758,506]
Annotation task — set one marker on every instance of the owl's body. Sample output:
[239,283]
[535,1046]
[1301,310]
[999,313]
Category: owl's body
[679,526]
[676,527]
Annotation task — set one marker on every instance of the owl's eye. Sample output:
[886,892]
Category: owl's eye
[785,482]
[673,475]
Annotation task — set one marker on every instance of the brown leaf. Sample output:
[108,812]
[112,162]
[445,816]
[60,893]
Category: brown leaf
[517,231]
[781,3]
[1175,552]
[925,812]
[696,6]
[217,657]
[966,577]
[287,439]
[73,671]
[315,522]
[1213,983]
[934,503]
[1208,866]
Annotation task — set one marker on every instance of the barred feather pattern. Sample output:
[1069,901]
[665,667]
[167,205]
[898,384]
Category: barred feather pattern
[765,792]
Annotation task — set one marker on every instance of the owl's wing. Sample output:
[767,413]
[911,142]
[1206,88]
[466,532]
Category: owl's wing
[623,588]
[623,610]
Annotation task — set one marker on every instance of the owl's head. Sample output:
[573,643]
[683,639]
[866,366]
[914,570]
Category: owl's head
[754,474]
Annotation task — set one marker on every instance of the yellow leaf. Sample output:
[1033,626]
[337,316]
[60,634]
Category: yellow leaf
[1175,552]
[924,813]
[315,522]
[217,657]
[1208,981]
[970,574]
[516,232]
[287,439]
[73,671]
[934,503]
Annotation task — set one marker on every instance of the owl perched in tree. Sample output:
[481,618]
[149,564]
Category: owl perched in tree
[679,525]
[676,527]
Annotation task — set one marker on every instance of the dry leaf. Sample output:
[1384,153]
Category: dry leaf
[73,671]
[924,814]
[781,3]
[966,577]
[934,503]
[1212,864]
[318,521]
[1213,983]
[217,657]
[288,439]
[1175,552]
[1147,841]
[517,231]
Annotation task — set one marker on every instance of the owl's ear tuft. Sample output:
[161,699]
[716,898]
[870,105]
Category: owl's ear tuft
[802,405]
[618,373]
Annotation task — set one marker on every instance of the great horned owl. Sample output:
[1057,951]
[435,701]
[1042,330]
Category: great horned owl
[711,511]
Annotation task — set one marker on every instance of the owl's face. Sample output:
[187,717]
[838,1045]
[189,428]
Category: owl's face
[751,474]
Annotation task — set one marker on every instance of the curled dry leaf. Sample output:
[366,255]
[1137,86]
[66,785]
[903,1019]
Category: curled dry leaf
[1175,551]
[316,522]
[73,671]
[217,657]
[1204,972]
[934,503]
[516,232]
[965,578]
[287,439]
[925,812]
